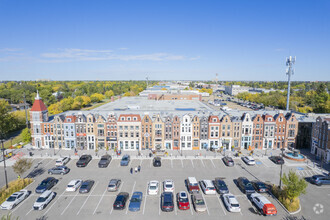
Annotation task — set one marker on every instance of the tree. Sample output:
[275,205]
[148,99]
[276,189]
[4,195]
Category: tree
[294,186]
[97,97]
[8,217]
[5,118]
[26,135]
[22,165]
[109,94]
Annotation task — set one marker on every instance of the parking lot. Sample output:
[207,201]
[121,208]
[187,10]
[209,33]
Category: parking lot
[97,204]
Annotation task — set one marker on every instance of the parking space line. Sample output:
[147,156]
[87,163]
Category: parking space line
[122,183]
[100,200]
[264,164]
[131,195]
[192,163]
[87,198]
[54,203]
[111,210]
[140,162]
[207,209]
[29,212]
[159,206]
[202,162]
[171,162]
[176,213]
[150,162]
[182,163]
[145,200]
[109,163]
[70,203]
[223,209]
[213,163]
[48,163]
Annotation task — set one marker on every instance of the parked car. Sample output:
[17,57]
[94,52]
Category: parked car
[320,180]
[104,161]
[231,203]
[86,186]
[84,160]
[15,199]
[192,184]
[44,199]
[46,184]
[183,200]
[59,170]
[121,200]
[263,204]
[135,202]
[167,204]
[73,185]
[207,187]
[220,186]
[114,185]
[249,160]
[153,187]
[198,202]
[157,162]
[168,186]
[245,185]
[277,159]
[228,161]
[62,161]
[125,160]
[259,186]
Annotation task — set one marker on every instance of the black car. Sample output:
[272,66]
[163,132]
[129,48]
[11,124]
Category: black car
[157,162]
[220,186]
[167,203]
[245,185]
[46,184]
[105,160]
[228,161]
[260,186]
[277,159]
[86,186]
[84,160]
[121,200]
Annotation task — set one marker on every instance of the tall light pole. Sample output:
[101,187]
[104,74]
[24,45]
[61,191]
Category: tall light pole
[289,63]
[4,162]
[282,149]
[26,115]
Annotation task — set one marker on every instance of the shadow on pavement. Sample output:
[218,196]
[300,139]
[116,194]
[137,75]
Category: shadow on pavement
[36,172]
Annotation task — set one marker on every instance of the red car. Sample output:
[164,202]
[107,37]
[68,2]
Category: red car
[183,201]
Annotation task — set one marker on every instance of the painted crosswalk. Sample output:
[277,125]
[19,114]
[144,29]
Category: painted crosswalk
[307,173]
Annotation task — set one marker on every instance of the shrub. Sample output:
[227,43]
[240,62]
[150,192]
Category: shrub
[13,186]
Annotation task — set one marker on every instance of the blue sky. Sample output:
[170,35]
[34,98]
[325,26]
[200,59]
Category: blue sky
[127,40]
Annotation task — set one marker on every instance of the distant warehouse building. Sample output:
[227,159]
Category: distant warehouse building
[236,89]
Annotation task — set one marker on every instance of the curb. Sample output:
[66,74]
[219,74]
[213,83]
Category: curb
[290,213]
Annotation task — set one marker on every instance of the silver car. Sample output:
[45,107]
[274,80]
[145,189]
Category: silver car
[15,199]
[114,185]
[198,202]
[44,199]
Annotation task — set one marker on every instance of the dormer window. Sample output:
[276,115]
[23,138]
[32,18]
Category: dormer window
[128,118]
[122,118]
[134,119]
[214,120]
[269,119]
[69,119]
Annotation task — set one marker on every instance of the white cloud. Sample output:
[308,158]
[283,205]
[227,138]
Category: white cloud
[68,55]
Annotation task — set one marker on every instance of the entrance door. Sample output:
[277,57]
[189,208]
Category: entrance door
[245,145]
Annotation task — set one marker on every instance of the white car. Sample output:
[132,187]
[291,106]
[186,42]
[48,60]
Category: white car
[249,160]
[15,199]
[153,187]
[73,185]
[62,161]
[231,203]
[207,187]
[168,186]
[44,199]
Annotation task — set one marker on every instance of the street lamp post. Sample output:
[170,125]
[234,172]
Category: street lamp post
[4,163]
[282,149]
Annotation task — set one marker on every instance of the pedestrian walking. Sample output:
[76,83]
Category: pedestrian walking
[131,170]
[136,169]
[139,168]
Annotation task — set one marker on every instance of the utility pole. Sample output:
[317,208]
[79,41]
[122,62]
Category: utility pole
[26,115]
[289,63]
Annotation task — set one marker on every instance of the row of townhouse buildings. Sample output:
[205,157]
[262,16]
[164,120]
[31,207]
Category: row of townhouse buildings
[159,130]
[321,138]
